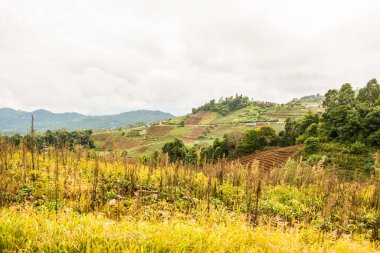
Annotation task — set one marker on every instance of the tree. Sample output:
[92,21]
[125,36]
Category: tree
[297,130]
[312,130]
[370,93]
[256,140]
[176,150]
[311,145]
[268,134]
[346,95]
[50,138]
[331,99]
[16,139]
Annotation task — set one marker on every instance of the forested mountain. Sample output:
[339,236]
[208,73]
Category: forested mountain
[14,121]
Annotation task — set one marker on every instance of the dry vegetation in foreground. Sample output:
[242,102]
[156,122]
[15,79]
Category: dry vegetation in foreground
[75,201]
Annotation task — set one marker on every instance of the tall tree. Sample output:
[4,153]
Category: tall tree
[370,93]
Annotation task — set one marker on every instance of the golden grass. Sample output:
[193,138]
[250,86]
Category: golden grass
[29,230]
[76,201]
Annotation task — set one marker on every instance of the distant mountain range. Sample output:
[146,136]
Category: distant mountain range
[15,121]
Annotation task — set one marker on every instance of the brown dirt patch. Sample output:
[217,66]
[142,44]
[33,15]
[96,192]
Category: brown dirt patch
[125,143]
[195,118]
[196,133]
[271,158]
[159,130]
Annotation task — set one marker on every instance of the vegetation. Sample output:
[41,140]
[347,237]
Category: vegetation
[225,105]
[349,118]
[256,139]
[59,194]
[77,201]
[312,99]
[230,146]
[56,138]
[346,134]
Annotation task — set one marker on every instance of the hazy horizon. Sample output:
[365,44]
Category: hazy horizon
[111,114]
[102,57]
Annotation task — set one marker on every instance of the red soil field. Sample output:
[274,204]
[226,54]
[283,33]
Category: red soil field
[159,130]
[271,158]
[195,119]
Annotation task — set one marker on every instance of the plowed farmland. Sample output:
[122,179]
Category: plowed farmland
[124,143]
[195,118]
[159,130]
[271,158]
[196,133]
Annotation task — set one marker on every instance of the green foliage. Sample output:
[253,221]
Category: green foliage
[353,160]
[225,105]
[217,150]
[297,131]
[374,139]
[256,140]
[176,150]
[57,138]
[312,145]
[370,94]
[26,190]
[348,118]
[358,148]
[348,130]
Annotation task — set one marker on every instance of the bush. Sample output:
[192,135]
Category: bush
[312,145]
[256,140]
[175,149]
[358,148]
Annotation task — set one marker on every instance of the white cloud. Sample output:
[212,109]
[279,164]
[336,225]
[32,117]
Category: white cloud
[99,57]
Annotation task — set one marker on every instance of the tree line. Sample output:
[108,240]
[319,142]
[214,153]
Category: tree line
[57,138]
[229,146]
[229,104]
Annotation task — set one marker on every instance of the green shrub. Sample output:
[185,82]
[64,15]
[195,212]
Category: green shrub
[312,145]
[358,148]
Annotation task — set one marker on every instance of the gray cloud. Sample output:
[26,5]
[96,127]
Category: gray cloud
[99,57]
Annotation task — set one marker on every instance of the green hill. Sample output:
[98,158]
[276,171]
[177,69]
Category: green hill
[14,121]
[206,123]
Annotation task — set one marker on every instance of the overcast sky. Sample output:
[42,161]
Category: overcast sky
[102,57]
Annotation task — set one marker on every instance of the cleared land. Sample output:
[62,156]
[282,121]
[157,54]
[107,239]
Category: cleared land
[268,159]
[201,128]
[159,130]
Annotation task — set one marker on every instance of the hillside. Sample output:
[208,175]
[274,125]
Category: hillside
[206,123]
[14,121]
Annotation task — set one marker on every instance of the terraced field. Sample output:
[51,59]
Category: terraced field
[159,130]
[123,143]
[196,132]
[271,158]
[196,118]
[201,128]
